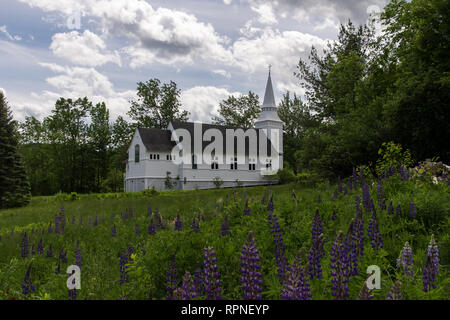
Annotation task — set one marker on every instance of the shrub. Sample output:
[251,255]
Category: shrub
[285,175]
[392,155]
[217,182]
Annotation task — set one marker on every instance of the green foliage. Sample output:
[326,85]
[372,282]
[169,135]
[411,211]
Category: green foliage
[14,184]
[218,182]
[285,175]
[392,155]
[238,112]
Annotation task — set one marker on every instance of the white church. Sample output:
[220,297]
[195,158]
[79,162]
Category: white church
[188,155]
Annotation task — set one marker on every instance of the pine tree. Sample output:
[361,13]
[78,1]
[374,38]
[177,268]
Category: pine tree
[14,185]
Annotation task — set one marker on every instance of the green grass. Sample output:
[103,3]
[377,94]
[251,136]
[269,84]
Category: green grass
[147,271]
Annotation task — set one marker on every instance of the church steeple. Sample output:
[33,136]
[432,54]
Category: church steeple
[269,115]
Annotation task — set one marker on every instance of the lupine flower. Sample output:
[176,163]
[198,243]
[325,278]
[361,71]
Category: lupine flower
[391,208]
[280,254]
[40,247]
[78,258]
[171,279]
[27,285]
[270,205]
[73,293]
[250,269]
[123,259]
[365,293]
[50,252]
[316,226]
[351,242]
[151,227]
[24,245]
[340,268]
[366,197]
[198,281]
[211,275]
[395,292]
[334,216]
[405,260]
[357,202]
[225,227]
[159,221]
[399,210]
[391,171]
[374,230]
[96,220]
[355,179]
[319,200]
[136,229]
[359,233]
[412,210]
[335,194]
[195,226]
[188,287]
[114,231]
[431,269]
[246,209]
[178,223]
[63,255]
[130,250]
[296,286]
[339,183]
[314,266]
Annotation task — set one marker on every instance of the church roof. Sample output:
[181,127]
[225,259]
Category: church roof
[269,98]
[156,139]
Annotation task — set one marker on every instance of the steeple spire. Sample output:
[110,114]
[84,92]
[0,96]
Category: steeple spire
[269,112]
[269,99]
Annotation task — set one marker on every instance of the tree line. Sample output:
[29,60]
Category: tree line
[362,90]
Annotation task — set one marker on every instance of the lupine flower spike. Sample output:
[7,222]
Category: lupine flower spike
[171,279]
[431,269]
[251,270]
[27,285]
[395,292]
[296,286]
[188,287]
[340,268]
[405,260]
[211,275]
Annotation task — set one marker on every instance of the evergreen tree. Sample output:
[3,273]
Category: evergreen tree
[14,185]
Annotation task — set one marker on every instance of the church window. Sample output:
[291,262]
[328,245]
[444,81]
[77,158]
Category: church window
[136,153]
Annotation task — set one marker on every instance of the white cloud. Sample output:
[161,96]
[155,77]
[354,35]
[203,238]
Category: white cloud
[227,2]
[85,49]
[265,13]
[223,73]
[4,30]
[203,102]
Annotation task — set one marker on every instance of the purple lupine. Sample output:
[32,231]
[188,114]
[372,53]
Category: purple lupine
[350,185]
[355,179]
[405,260]
[198,281]
[123,259]
[50,252]
[280,252]
[366,197]
[316,226]
[178,223]
[412,210]
[339,183]
[391,208]
[211,275]
[195,226]
[335,194]
[151,227]
[114,231]
[359,233]
[171,279]
[296,286]
[374,230]
[341,269]
[27,285]
[159,221]
[63,255]
[136,229]
[334,216]
[96,220]
[391,171]
[395,293]
[314,266]
[399,210]
[40,247]
[24,245]
[78,258]
[250,269]
[225,228]
[246,209]
[357,202]
[188,287]
[365,293]
[270,205]
[431,269]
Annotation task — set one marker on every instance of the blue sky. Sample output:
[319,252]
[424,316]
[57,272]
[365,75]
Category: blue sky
[211,49]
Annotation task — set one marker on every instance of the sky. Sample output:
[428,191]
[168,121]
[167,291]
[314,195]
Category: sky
[212,49]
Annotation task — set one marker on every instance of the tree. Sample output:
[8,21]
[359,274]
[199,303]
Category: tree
[157,105]
[14,185]
[238,112]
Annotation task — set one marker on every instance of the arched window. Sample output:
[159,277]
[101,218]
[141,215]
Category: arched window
[136,153]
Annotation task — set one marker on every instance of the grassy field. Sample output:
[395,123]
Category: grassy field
[149,255]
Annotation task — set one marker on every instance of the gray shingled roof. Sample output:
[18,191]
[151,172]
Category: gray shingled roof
[156,139]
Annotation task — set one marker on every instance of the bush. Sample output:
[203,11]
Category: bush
[392,156]
[150,192]
[285,175]
[308,178]
[217,182]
